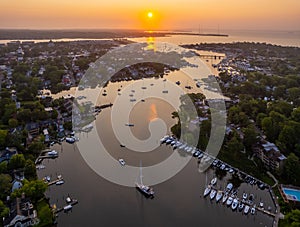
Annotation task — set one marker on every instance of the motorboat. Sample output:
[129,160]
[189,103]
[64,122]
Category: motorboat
[246,210]
[225,197]
[219,196]
[229,201]
[68,207]
[245,195]
[207,191]
[252,210]
[68,199]
[241,206]
[70,139]
[234,204]
[261,204]
[212,194]
[60,182]
[213,181]
[229,187]
[52,153]
[122,162]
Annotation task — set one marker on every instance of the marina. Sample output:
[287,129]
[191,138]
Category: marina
[229,193]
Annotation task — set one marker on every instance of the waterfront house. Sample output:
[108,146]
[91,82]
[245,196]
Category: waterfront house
[271,155]
[6,154]
[21,213]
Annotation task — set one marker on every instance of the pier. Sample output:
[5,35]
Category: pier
[58,210]
[55,181]
[210,159]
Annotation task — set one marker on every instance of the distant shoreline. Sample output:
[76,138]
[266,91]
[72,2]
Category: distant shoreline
[28,34]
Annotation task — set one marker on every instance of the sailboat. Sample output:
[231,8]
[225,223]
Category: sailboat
[146,190]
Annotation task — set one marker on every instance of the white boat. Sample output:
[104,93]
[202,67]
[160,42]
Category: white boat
[253,210]
[207,191]
[70,139]
[261,204]
[40,167]
[234,204]
[229,201]
[60,182]
[229,187]
[146,190]
[212,194]
[225,197]
[219,196]
[241,206]
[122,162]
[213,181]
[68,199]
[245,195]
[48,178]
[68,207]
[246,210]
[52,153]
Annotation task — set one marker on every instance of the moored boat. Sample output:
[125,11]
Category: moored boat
[252,210]
[207,191]
[213,181]
[234,204]
[225,197]
[241,206]
[229,201]
[246,210]
[219,196]
[212,194]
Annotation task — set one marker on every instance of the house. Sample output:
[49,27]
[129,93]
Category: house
[7,154]
[33,129]
[21,213]
[271,156]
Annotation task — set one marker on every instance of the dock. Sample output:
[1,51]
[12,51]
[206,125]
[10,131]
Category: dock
[45,156]
[54,182]
[212,159]
[58,210]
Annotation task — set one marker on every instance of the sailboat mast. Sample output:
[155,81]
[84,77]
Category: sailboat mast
[141,173]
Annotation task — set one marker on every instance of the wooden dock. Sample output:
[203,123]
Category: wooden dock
[54,182]
[45,156]
[58,210]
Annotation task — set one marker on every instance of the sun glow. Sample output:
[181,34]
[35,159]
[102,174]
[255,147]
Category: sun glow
[150,14]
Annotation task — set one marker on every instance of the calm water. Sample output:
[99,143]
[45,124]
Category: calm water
[284,38]
[178,201]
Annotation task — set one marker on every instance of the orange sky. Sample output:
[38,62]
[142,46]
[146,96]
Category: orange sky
[167,14]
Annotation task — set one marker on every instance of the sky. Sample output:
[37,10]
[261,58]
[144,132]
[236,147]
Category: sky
[167,14]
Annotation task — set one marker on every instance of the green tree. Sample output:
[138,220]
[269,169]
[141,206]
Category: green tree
[30,170]
[291,169]
[3,135]
[4,211]
[250,137]
[17,162]
[3,167]
[12,123]
[36,147]
[5,185]
[291,219]
[296,114]
[33,189]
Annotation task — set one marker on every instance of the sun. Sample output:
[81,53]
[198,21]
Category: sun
[150,14]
